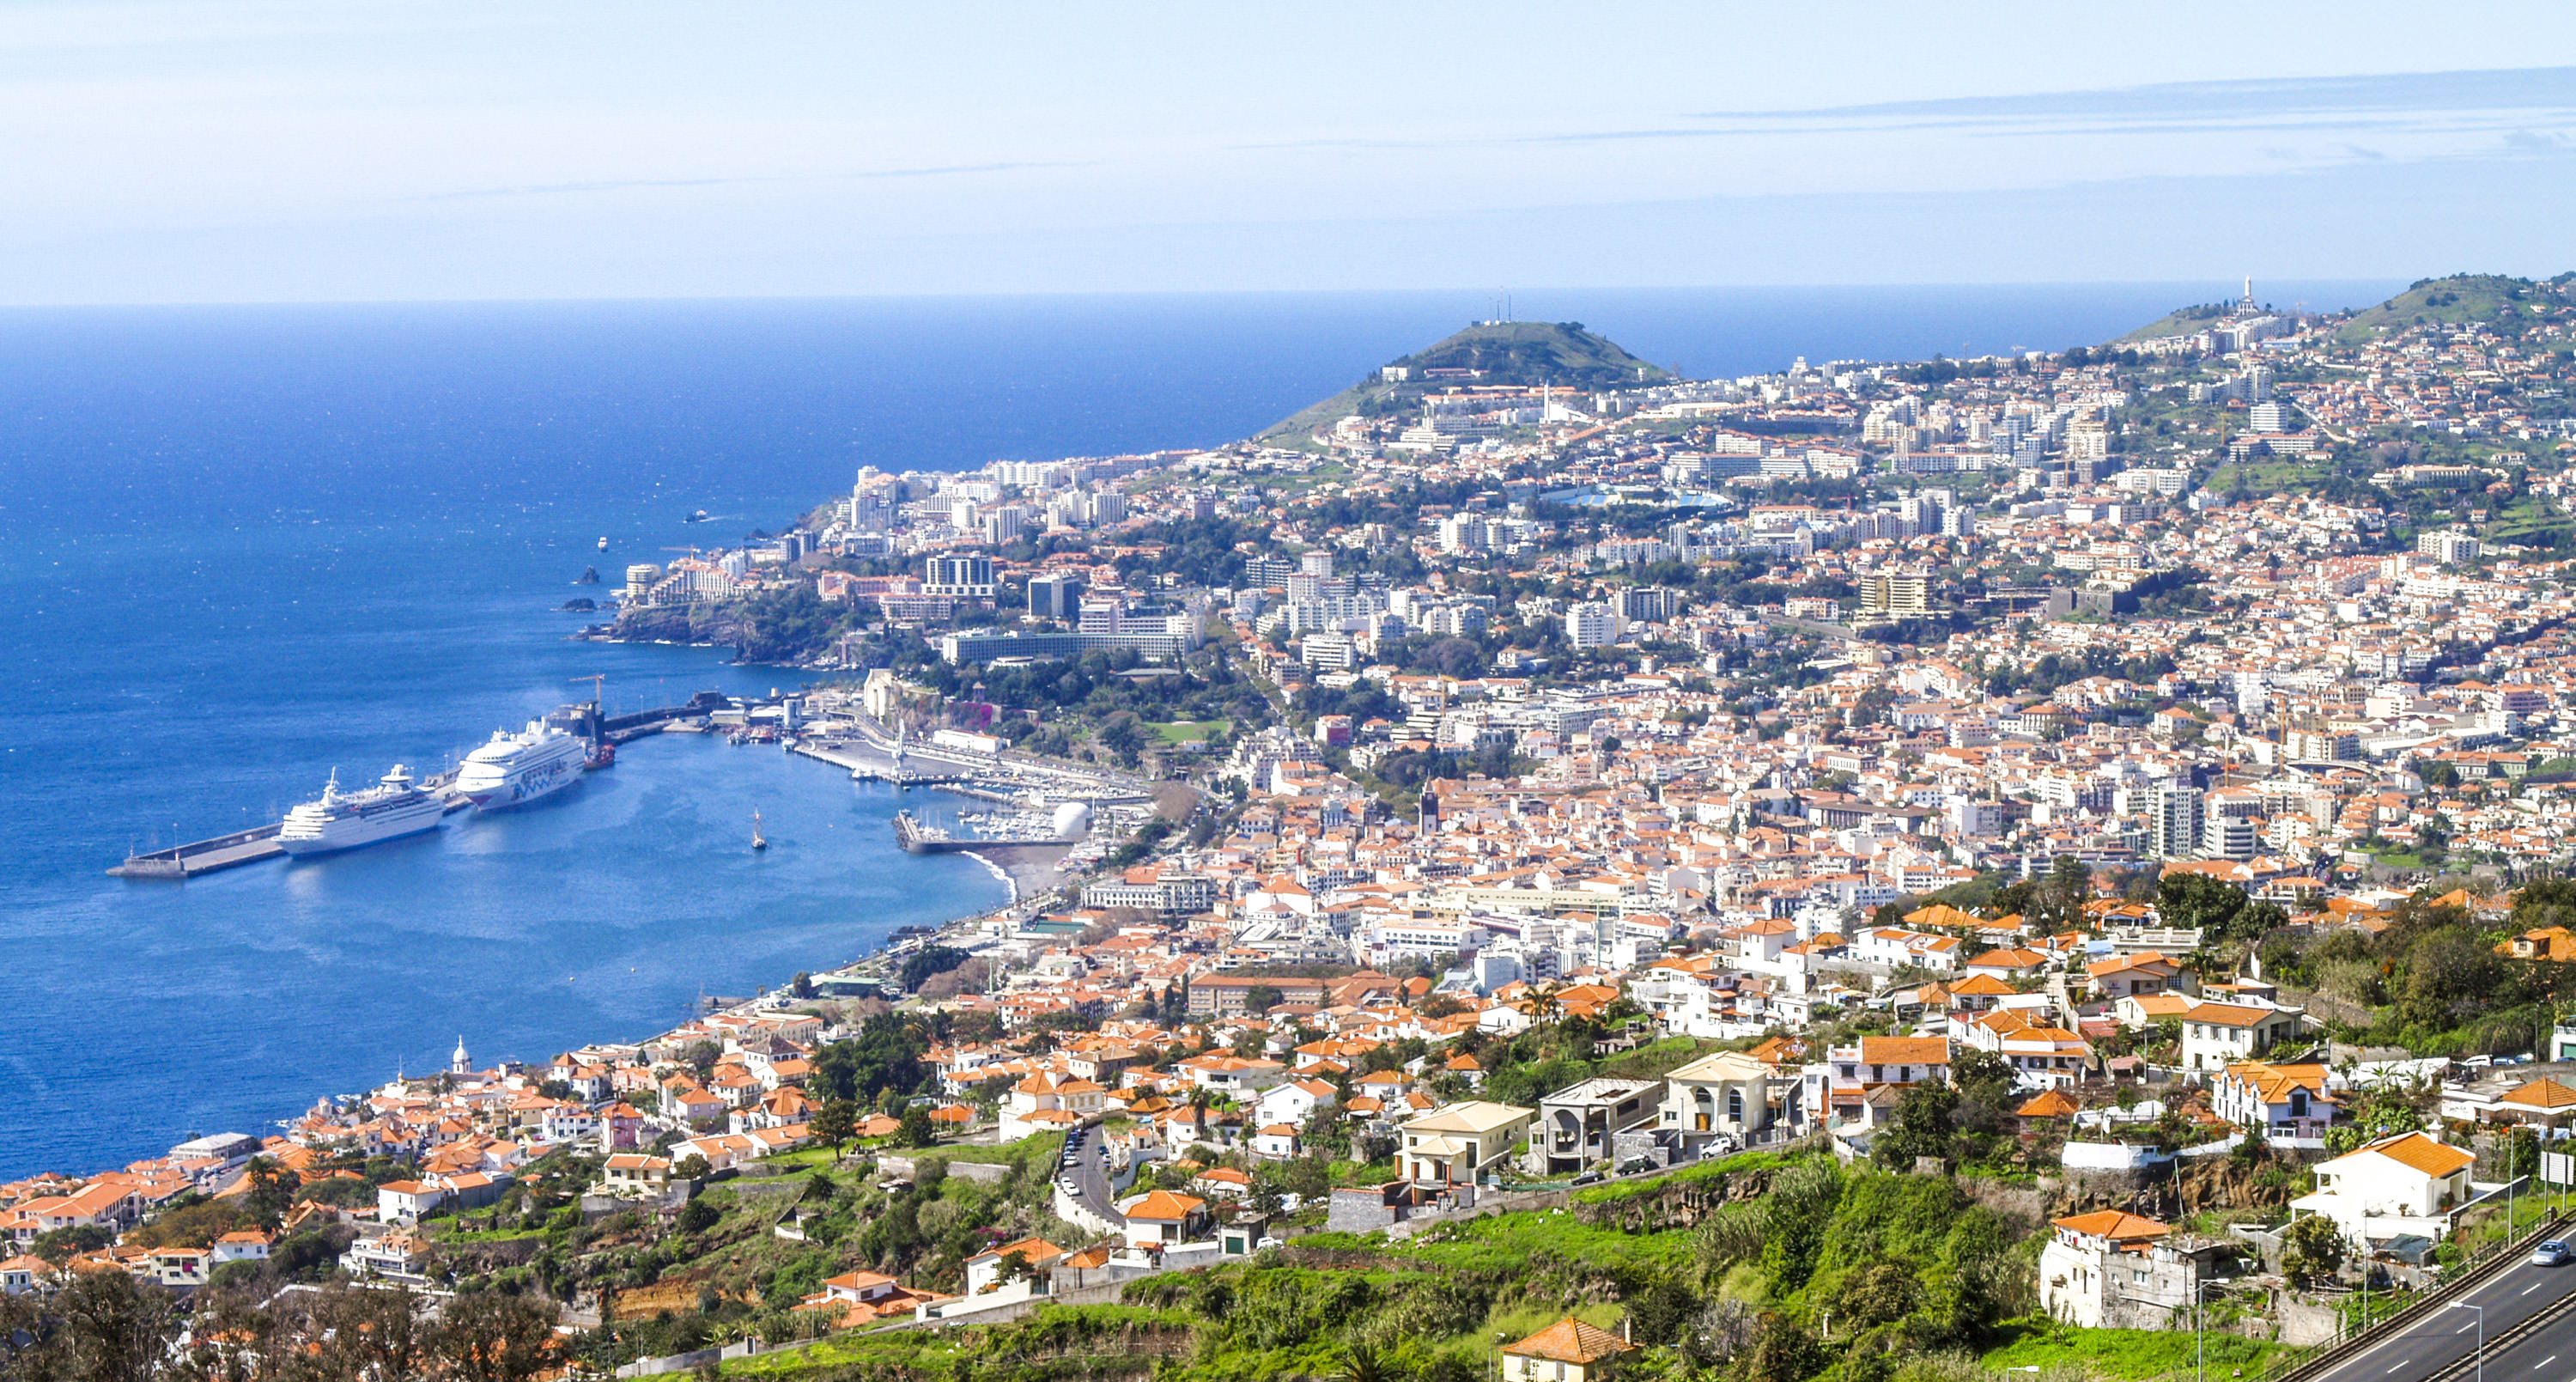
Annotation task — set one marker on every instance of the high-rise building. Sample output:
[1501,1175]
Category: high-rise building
[2228,837]
[1055,595]
[2173,820]
[1591,624]
[1463,532]
[967,576]
[1648,604]
[1896,594]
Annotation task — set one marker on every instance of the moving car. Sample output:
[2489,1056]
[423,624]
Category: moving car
[2554,1253]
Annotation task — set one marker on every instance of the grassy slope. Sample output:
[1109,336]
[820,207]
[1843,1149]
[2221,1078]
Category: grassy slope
[1509,352]
[2460,298]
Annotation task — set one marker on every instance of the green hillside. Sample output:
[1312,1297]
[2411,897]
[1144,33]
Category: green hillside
[2458,298]
[2181,321]
[1524,353]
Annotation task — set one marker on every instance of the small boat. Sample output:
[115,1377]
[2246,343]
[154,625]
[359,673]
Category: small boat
[758,841]
[699,516]
[603,544]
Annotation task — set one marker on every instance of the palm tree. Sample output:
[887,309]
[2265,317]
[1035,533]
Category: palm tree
[1360,1363]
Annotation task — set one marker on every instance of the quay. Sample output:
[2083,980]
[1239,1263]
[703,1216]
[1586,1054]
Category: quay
[205,856]
[180,862]
[866,768]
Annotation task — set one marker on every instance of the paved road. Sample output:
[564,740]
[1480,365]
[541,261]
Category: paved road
[2437,1339]
[1090,1172]
[2549,1355]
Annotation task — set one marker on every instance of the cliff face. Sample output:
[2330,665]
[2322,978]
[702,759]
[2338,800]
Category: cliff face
[722,625]
[786,627]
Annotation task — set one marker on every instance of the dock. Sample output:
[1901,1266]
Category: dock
[205,856]
[919,839]
[181,862]
[260,842]
[866,768]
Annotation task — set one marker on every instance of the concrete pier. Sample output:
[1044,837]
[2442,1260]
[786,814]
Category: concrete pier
[205,856]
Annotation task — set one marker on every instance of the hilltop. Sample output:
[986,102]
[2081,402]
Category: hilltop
[1522,353]
[2492,298]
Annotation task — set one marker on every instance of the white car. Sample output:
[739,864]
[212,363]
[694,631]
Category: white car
[2554,1253]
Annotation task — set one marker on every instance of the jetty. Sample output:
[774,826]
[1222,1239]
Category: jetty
[205,856]
[867,767]
[242,846]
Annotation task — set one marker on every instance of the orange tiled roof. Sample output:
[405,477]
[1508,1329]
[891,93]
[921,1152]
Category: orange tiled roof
[1570,1340]
[2114,1225]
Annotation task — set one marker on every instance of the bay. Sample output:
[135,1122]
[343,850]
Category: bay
[243,547]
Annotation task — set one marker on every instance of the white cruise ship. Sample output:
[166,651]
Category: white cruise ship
[515,769]
[391,808]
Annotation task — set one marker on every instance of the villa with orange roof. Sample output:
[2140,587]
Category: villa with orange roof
[857,1298]
[1566,1351]
[2546,1102]
[2398,1185]
[2281,1100]
[2114,1270]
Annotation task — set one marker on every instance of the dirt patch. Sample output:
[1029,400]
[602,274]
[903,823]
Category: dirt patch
[675,1294]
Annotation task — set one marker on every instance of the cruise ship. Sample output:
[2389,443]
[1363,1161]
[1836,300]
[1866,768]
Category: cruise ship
[391,808]
[515,769]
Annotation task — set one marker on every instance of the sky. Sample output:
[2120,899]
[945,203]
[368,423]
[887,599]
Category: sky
[250,150]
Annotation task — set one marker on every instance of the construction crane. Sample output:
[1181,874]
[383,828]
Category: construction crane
[597,680]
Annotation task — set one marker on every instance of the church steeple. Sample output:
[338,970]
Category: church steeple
[458,1064]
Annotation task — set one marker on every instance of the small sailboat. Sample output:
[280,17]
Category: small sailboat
[758,841]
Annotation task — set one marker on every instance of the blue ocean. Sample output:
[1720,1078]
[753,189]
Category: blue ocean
[247,546]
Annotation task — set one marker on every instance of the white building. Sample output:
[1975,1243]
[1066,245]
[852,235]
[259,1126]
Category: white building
[2113,1270]
[2398,1185]
[1591,624]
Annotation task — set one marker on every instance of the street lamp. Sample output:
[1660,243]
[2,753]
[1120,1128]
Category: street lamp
[2199,1358]
[2482,1334]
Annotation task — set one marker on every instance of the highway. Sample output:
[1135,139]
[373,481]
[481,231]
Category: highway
[2438,1340]
[2549,1353]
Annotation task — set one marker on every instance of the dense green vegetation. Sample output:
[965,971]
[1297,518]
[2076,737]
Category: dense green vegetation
[2433,980]
[2492,298]
[1766,1269]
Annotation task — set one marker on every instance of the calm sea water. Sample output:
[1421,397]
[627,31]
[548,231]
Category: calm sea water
[245,546]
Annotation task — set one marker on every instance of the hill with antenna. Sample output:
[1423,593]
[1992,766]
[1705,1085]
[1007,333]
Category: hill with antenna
[2507,304]
[1528,354]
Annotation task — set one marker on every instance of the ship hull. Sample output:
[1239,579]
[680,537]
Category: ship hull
[527,787]
[358,832]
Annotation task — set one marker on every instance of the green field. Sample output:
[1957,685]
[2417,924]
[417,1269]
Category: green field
[2131,1353]
[1183,731]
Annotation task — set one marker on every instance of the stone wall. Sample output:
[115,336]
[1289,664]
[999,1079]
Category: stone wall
[907,1168]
